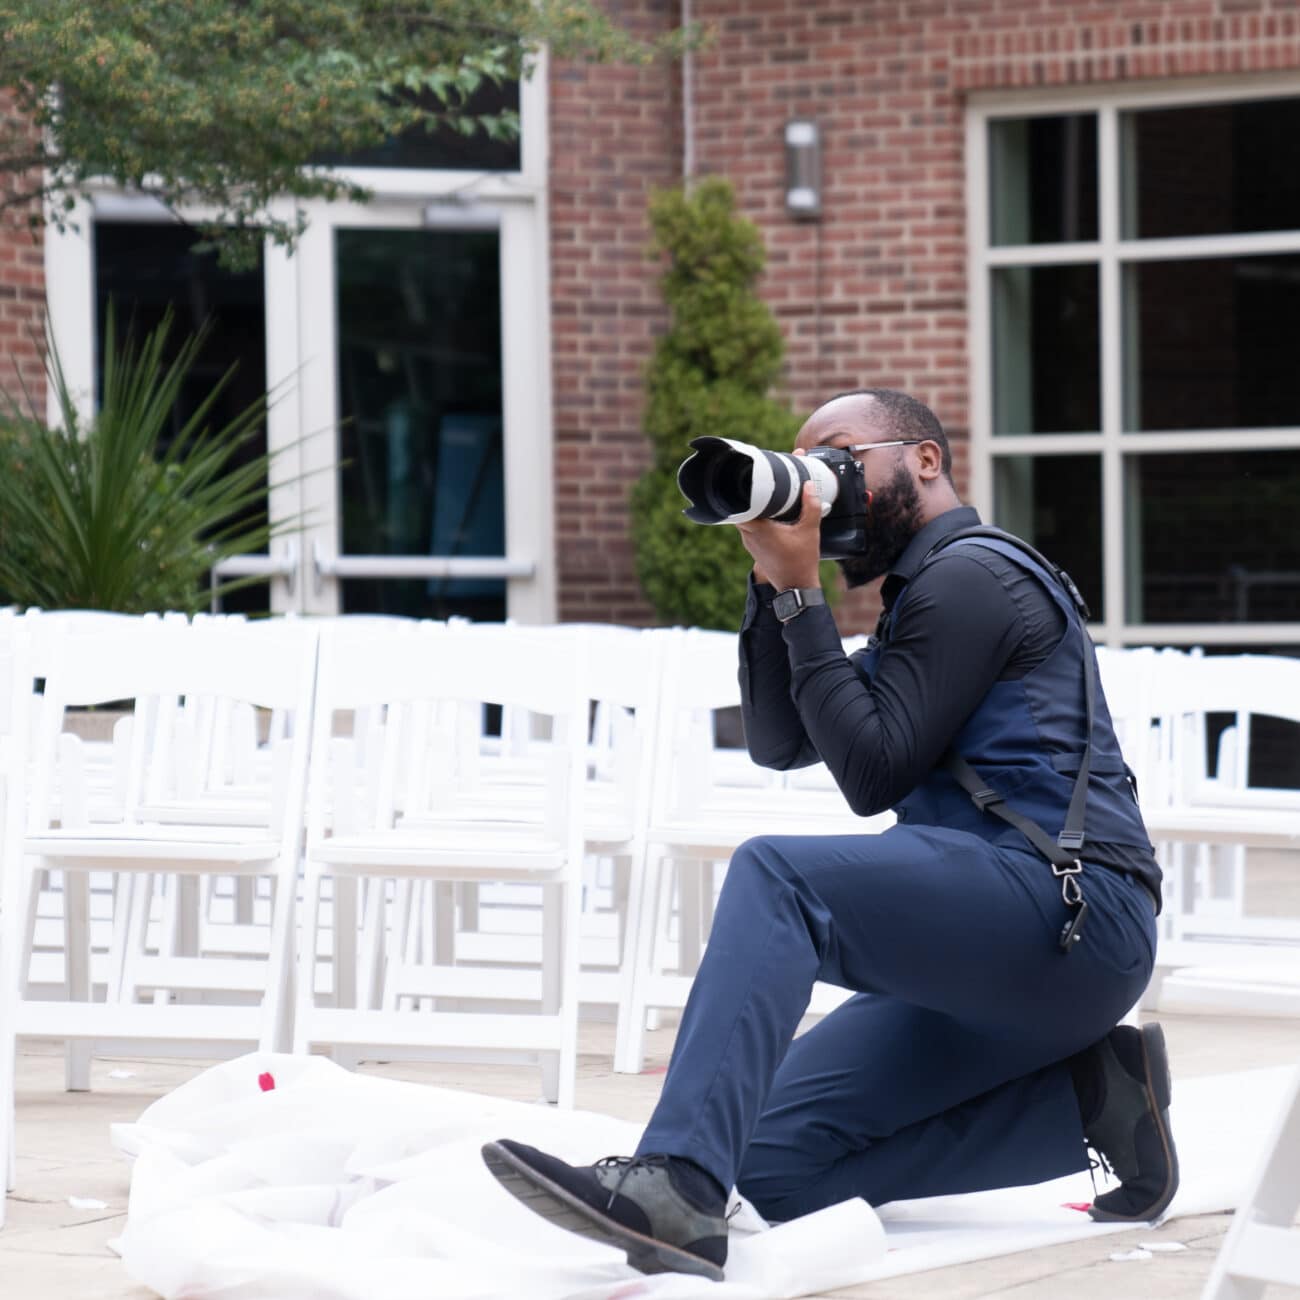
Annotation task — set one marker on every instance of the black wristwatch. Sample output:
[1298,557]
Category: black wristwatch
[792,602]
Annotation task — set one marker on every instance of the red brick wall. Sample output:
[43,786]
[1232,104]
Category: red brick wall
[615,134]
[22,289]
[888,84]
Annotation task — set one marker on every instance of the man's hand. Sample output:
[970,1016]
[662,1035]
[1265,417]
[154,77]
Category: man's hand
[787,555]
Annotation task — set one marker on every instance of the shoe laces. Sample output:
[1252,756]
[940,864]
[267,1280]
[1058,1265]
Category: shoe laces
[1097,1160]
[626,1165]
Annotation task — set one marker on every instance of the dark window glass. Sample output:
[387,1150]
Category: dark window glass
[419,338]
[1212,169]
[145,268]
[1043,179]
[446,147]
[1046,350]
[1212,537]
[1214,343]
[1054,503]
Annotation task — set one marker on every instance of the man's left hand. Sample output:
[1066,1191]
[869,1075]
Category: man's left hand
[787,555]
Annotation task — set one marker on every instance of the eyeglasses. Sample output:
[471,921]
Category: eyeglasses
[897,442]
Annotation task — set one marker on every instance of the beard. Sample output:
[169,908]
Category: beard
[894,519]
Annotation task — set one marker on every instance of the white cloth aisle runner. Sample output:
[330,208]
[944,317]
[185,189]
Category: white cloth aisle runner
[335,1186]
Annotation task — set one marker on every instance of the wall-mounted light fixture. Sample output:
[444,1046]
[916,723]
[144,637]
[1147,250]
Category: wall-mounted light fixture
[803,169]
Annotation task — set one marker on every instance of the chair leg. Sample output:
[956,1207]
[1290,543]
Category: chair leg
[306,990]
[554,915]
[570,977]
[140,905]
[655,873]
[345,941]
[76,955]
[276,1028]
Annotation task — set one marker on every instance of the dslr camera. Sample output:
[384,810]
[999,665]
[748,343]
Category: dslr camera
[729,482]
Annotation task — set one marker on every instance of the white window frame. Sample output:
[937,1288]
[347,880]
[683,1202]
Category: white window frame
[300,327]
[1110,253]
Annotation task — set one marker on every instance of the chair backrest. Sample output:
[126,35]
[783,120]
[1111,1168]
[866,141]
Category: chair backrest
[416,694]
[1189,688]
[193,691]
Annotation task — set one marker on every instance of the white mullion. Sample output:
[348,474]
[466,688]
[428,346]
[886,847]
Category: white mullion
[979,324]
[1193,440]
[1045,444]
[1203,247]
[1041,254]
[1253,634]
[1113,541]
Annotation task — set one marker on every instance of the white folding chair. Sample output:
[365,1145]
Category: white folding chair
[707,799]
[399,817]
[1212,954]
[269,668]
[1262,1247]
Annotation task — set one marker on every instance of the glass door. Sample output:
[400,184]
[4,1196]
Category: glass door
[410,423]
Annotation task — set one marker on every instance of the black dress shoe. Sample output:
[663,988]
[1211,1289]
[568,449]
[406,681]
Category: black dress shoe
[629,1202]
[1129,1127]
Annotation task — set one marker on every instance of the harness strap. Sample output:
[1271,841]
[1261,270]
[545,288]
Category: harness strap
[1062,853]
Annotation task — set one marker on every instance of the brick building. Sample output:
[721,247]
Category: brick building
[1072,227]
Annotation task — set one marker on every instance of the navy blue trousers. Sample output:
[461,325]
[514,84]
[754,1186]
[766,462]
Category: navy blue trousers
[946,1072]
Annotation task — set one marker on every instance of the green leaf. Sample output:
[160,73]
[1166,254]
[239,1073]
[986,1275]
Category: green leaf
[99,517]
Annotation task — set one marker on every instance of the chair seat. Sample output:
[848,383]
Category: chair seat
[147,847]
[1255,827]
[411,853]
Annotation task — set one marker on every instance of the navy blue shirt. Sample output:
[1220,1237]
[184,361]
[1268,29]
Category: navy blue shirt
[974,618]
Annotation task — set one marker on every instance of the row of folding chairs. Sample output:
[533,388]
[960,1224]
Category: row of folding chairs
[386,837]
[381,837]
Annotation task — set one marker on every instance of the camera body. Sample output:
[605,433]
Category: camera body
[729,482]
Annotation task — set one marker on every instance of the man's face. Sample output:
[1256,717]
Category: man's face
[894,516]
[893,519]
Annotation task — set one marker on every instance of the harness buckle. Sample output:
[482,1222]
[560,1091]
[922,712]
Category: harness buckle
[1071,869]
[985,799]
[1070,839]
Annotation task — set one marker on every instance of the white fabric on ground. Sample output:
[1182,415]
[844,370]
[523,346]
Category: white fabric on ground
[337,1186]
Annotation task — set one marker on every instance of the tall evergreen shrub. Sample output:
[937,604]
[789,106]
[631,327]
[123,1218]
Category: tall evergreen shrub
[711,373]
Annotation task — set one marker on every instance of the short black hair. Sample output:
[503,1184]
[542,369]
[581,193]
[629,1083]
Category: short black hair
[905,417]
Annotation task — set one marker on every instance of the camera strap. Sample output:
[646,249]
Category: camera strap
[1061,853]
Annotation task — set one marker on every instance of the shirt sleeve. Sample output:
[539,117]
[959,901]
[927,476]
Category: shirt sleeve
[955,629]
[774,732]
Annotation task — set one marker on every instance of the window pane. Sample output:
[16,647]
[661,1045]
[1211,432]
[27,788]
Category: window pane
[1046,350]
[1054,503]
[1212,169]
[1214,343]
[1211,537]
[1043,179]
[446,147]
[421,473]
[145,268]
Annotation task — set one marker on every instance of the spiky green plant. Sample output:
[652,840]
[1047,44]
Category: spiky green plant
[110,514]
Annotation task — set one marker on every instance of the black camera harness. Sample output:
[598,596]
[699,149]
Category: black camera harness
[1061,853]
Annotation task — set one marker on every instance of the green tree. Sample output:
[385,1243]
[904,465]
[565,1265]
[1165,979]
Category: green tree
[711,373]
[224,103]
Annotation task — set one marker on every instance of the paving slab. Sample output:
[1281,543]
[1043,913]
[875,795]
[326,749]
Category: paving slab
[51,1251]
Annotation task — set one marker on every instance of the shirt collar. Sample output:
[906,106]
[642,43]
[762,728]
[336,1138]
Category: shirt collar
[951,521]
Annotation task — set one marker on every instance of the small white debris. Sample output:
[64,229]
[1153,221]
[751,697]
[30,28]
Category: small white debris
[1163,1247]
[121,1074]
[1126,1256]
[86,1203]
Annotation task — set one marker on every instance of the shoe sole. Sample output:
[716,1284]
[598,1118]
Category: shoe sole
[562,1208]
[1160,1088]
